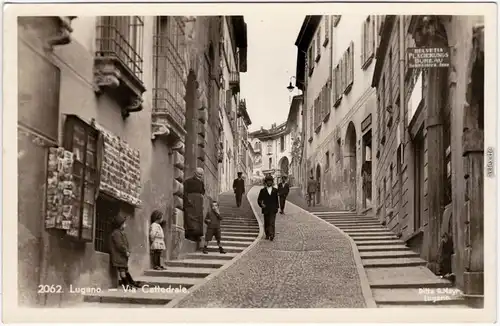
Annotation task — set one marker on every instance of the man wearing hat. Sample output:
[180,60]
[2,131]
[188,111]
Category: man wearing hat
[239,188]
[283,191]
[268,201]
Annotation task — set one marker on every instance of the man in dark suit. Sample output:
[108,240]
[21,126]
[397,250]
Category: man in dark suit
[239,188]
[268,201]
[283,190]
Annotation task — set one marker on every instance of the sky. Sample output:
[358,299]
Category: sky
[272,57]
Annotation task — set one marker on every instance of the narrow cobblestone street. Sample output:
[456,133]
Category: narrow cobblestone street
[307,266]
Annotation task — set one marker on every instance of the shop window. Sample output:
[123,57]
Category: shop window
[81,139]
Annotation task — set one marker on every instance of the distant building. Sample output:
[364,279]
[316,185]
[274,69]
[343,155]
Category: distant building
[275,150]
[294,127]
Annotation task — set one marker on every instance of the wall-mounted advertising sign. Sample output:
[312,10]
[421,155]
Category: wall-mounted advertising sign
[438,57]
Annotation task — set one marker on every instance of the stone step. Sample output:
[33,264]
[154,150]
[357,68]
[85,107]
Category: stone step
[364,229]
[228,249]
[378,242]
[191,272]
[370,234]
[211,255]
[203,263]
[388,254]
[242,244]
[413,284]
[238,219]
[165,282]
[403,275]
[240,228]
[139,296]
[400,247]
[241,224]
[349,220]
[426,306]
[372,237]
[234,238]
[355,225]
[416,296]
[248,234]
[392,262]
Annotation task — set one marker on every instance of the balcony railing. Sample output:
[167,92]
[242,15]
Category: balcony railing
[165,103]
[121,37]
[234,81]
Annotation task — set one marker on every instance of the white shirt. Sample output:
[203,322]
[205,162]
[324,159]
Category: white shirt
[269,189]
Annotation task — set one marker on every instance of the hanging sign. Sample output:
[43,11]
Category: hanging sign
[437,57]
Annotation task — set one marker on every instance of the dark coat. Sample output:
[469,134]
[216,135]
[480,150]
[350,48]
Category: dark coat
[270,202]
[119,247]
[212,220]
[312,186]
[239,186]
[194,186]
[283,189]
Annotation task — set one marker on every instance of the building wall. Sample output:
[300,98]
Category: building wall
[460,32]
[62,262]
[354,108]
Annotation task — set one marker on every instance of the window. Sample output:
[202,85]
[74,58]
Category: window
[270,163]
[121,37]
[415,97]
[339,149]
[169,68]
[338,85]
[269,147]
[336,20]
[383,105]
[311,58]
[327,30]
[349,68]
[81,139]
[368,42]
[282,142]
[391,171]
[107,209]
[327,160]
[318,45]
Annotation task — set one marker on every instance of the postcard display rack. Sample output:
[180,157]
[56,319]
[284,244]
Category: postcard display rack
[92,161]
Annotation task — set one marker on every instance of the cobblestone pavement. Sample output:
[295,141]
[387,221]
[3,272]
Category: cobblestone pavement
[309,265]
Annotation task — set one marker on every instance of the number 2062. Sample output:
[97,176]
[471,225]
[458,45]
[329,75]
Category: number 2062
[50,289]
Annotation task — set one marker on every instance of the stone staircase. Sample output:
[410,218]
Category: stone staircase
[239,230]
[397,275]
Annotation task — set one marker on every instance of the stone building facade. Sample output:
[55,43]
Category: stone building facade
[334,69]
[122,109]
[294,126]
[243,122]
[430,144]
[275,144]
[233,61]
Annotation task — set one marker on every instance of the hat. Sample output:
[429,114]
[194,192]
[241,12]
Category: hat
[240,173]
[269,178]
[119,220]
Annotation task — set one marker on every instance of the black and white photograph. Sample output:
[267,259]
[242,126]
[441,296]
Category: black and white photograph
[286,156]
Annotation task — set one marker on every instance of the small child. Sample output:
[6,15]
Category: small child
[212,220]
[157,238]
[119,253]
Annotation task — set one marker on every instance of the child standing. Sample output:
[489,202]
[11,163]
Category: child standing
[212,220]
[120,252]
[157,238]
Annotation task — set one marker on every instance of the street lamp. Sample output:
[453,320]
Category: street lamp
[290,87]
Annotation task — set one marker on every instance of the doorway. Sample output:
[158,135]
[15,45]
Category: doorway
[366,170]
[419,147]
[318,181]
[350,165]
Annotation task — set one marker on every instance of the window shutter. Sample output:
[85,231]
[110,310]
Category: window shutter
[371,37]
[342,66]
[327,27]
[351,65]
[334,84]
[363,37]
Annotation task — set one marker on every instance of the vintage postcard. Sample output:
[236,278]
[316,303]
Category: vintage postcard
[265,162]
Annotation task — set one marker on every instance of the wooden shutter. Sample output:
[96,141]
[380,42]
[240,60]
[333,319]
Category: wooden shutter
[334,84]
[351,64]
[343,73]
[363,37]
[371,37]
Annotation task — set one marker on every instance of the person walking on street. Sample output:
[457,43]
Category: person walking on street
[268,201]
[312,186]
[283,190]
[194,192]
[239,188]
[212,220]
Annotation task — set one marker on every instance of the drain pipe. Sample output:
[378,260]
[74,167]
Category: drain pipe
[402,101]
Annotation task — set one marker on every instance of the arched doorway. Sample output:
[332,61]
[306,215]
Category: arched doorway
[350,165]
[318,180]
[284,166]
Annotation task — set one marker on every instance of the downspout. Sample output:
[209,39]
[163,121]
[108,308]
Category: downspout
[402,103]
